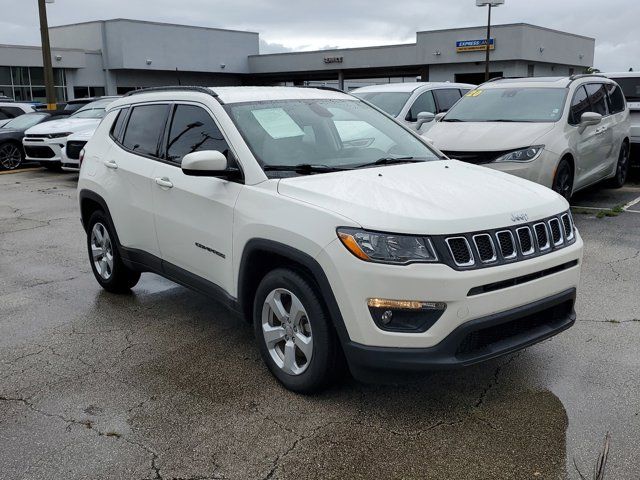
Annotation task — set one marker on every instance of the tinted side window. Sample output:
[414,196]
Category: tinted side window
[579,105]
[446,98]
[598,97]
[146,124]
[116,129]
[193,130]
[616,98]
[424,103]
[10,112]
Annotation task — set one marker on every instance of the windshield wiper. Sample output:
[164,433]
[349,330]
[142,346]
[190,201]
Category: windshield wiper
[445,119]
[391,161]
[303,168]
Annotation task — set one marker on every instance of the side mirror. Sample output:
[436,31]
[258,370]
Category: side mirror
[424,117]
[440,116]
[208,163]
[589,118]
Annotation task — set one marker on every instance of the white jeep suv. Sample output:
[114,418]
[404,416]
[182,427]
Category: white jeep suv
[566,133]
[390,260]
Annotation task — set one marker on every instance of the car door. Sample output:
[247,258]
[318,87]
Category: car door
[601,162]
[194,215]
[586,142]
[423,103]
[128,166]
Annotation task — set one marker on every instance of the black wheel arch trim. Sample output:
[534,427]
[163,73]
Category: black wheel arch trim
[309,263]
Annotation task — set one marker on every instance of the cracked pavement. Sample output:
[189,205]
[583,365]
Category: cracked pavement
[165,384]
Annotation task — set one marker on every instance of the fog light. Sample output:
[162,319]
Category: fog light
[405,315]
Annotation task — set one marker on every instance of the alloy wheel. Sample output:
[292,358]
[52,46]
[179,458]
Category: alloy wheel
[563,183]
[102,251]
[10,156]
[287,331]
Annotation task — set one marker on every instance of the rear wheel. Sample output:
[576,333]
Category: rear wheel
[294,333]
[104,256]
[11,156]
[563,181]
[622,169]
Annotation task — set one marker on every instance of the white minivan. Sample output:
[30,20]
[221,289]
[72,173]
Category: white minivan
[415,104]
[565,133]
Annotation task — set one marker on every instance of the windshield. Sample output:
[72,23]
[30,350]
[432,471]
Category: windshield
[94,109]
[390,102]
[328,133]
[630,88]
[25,121]
[509,105]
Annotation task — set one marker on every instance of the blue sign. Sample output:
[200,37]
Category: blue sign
[475,45]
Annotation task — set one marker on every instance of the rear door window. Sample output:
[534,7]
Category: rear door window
[424,103]
[579,105]
[146,125]
[446,97]
[598,98]
[616,98]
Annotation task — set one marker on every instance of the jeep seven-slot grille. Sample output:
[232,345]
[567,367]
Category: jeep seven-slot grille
[510,244]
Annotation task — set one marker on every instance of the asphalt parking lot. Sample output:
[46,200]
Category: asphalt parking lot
[165,384]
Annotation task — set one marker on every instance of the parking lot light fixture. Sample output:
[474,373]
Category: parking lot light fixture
[490,4]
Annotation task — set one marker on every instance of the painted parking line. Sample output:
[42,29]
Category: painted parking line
[22,170]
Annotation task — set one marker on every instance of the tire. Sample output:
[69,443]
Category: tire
[622,168]
[11,156]
[104,256]
[52,166]
[321,364]
[563,180]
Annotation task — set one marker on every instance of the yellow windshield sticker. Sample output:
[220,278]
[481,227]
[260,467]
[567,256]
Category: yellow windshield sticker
[474,93]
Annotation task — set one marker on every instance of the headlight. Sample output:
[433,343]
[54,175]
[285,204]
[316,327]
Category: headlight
[59,135]
[522,155]
[387,247]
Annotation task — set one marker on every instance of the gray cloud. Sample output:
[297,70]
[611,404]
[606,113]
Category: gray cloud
[306,24]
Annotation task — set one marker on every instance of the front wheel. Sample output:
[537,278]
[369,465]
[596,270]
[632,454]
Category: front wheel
[105,259]
[622,169]
[11,156]
[295,335]
[563,181]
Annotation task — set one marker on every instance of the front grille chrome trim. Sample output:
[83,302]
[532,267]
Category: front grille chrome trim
[571,234]
[513,243]
[560,230]
[546,246]
[471,262]
[494,255]
[531,250]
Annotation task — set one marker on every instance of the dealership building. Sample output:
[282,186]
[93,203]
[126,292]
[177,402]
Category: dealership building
[116,56]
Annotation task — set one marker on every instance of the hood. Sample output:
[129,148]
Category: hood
[486,136]
[439,197]
[83,136]
[74,125]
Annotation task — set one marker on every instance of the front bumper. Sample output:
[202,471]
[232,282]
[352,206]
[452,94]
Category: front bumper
[44,149]
[541,170]
[472,342]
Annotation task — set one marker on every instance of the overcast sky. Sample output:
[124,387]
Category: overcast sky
[314,24]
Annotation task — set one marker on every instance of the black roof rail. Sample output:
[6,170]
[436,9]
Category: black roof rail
[322,87]
[578,76]
[179,88]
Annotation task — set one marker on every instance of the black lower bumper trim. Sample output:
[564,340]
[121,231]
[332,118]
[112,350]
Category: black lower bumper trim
[473,342]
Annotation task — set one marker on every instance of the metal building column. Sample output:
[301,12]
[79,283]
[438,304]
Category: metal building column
[341,80]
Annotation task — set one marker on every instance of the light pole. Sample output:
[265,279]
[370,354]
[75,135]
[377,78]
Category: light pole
[490,4]
[46,55]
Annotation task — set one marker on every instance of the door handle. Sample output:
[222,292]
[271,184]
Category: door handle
[164,182]
[111,164]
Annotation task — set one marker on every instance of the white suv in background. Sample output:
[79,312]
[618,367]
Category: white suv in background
[564,133]
[394,260]
[414,103]
[630,84]
[46,143]
[10,110]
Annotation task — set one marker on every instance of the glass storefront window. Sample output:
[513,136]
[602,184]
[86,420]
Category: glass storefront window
[26,84]
[5,76]
[37,75]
